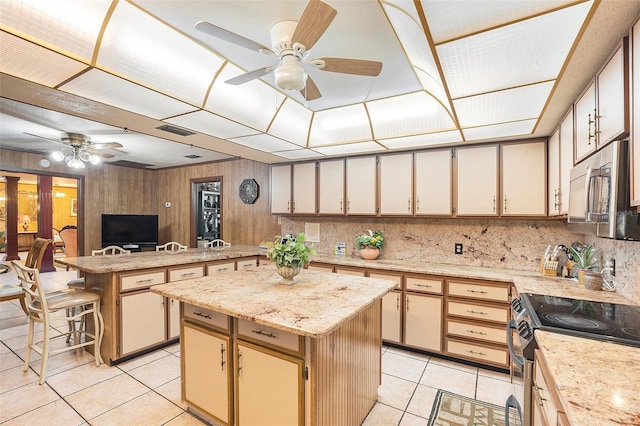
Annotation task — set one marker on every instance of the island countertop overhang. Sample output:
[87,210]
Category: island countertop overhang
[316,305]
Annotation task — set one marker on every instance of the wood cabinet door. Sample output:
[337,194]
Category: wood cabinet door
[423,321]
[396,184]
[269,388]
[566,160]
[553,174]
[524,179]
[142,321]
[361,186]
[207,371]
[281,189]
[585,124]
[173,329]
[477,187]
[304,188]
[331,187]
[391,316]
[432,171]
[612,98]
[635,115]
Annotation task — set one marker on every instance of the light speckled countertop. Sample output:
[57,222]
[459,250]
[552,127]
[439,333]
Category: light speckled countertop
[314,306]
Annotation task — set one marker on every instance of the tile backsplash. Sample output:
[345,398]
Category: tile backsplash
[492,243]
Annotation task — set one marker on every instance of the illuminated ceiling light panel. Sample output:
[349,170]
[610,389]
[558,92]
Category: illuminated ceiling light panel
[291,123]
[517,128]
[298,154]
[421,141]
[253,104]
[454,19]
[31,62]
[522,53]
[340,125]
[211,124]
[434,87]
[352,148]
[500,107]
[114,91]
[407,115]
[71,26]
[264,142]
[143,49]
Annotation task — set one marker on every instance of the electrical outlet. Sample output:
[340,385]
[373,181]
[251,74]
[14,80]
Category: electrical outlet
[611,263]
[458,249]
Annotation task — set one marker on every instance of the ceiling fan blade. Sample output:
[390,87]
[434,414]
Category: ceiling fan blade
[348,66]
[251,75]
[315,20]
[234,38]
[310,91]
[105,145]
[99,153]
[47,139]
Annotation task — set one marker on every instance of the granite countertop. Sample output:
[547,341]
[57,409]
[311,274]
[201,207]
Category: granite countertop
[598,382]
[314,306]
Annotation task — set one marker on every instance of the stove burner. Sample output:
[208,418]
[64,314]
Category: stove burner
[631,331]
[576,322]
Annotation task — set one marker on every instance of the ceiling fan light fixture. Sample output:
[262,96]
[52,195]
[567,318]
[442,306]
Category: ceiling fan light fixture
[76,163]
[94,159]
[57,156]
[290,75]
[85,156]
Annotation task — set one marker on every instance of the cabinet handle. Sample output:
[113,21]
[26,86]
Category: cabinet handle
[494,203]
[187,274]
[417,204]
[294,205]
[200,314]
[239,363]
[476,312]
[477,291]
[409,205]
[223,269]
[397,302]
[407,301]
[538,396]
[556,199]
[172,300]
[423,285]
[505,203]
[340,205]
[476,352]
[148,280]
[288,205]
[481,333]
[348,205]
[590,121]
[222,362]
[262,333]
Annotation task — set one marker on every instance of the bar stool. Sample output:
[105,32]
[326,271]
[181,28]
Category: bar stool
[217,244]
[171,246]
[40,306]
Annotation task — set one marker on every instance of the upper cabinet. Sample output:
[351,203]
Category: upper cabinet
[524,179]
[331,187]
[304,188]
[477,187]
[433,176]
[553,174]
[635,114]
[585,124]
[361,186]
[560,162]
[280,190]
[396,184]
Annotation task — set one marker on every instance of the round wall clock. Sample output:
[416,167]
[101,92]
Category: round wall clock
[249,191]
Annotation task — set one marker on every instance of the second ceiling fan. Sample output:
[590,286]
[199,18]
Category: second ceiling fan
[291,42]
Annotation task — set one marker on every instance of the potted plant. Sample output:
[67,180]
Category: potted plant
[370,244]
[587,263]
[290,255]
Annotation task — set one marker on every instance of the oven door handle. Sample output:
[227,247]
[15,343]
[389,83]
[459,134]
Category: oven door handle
[511,402]
[516,358]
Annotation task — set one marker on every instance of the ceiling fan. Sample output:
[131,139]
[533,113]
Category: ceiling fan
[82,149]
[291,42]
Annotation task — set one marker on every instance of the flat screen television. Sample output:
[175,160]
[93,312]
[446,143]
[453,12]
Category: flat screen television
[129,230]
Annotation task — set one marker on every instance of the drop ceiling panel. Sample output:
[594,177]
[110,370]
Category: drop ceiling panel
[145,50]
[298,154]
[291,123]
[420,141]
[211,124]
[503,106]
[264,142]
[350,149]
[71,26]
[517,128]
[31,62]
[340,125]
[115,91]
[522,53]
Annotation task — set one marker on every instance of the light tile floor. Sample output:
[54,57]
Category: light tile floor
[146,390]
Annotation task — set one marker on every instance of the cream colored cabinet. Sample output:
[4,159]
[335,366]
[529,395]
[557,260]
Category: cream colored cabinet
[392,317]
[142,321]
[635,115]
[585,124]
[270,389]
[613,107]
[423,321]
[207,371]
[432,171]
[396,184]
[304,188]
[547,406]
[280,189]
[524,179]
[361,185]
[331,187]
[566,160]
[477,183]
[173,306]
[553,174]
[220,267]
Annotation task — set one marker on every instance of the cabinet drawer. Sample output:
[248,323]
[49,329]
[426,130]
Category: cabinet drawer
[479,353]
[272,336]
[396,278]
[479,291]
[185,273]
[471,310]
[423,284]
[206,316]
[347,271]
[216,268]
[246,264]
[476,331]
[137,281]
[320,268]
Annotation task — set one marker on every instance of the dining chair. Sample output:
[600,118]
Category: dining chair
[171,246]
[33,260]
[41,306]
[110,250]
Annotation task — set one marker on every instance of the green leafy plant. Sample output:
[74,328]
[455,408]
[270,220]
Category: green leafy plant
[289,251]
[373,239]
[588,258]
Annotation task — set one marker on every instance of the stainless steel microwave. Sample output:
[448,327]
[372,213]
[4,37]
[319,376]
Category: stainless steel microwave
[599,195]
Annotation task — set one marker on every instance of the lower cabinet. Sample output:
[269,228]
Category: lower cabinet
[392,317]
[423,321]
[547,406]
[142,321]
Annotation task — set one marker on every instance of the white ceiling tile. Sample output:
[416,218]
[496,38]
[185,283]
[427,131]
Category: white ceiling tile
[340,125]
[264,142]
[298,154]
[516,128]
[111,90]
[421,141]
[291,123]
[351,148]
[211,124]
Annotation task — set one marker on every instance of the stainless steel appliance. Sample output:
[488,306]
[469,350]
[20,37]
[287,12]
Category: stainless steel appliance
[616,323]
[599,195]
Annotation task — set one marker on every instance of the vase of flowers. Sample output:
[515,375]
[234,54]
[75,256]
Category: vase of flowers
[370,244]
[290,255]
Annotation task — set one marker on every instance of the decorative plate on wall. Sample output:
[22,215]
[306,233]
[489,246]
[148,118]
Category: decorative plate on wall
[249,191]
